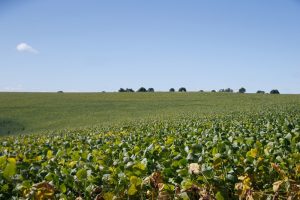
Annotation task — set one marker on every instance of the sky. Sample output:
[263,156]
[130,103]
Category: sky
[103,45]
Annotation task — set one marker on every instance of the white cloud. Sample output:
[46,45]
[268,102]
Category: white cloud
[23,47]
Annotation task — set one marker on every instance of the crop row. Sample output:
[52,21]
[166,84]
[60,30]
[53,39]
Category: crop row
[240,155]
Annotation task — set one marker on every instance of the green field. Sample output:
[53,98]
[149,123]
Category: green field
[183,146]
[36,112]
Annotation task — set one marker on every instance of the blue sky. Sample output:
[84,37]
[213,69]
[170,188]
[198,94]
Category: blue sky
[96,45]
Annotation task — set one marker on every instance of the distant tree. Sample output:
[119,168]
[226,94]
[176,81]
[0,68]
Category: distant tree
[142,89]
[150,90]
[260,92]
[213,91]
[171,90]
[201,90]
[182,89]
[122,90]
[129,90]
[60,91]
[242,90]
[228,90]
[275,91]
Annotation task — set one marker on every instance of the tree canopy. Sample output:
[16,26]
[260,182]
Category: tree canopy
[242,90]
[274,91]
[182,89]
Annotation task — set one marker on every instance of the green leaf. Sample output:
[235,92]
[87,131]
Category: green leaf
[4,188]
[81,174]
[59,153]
[187,184]
[183,162]
[136,149]
[169,187]
[219,196]
[49,176]
[168,172]
[208,173]
[2,162]
[215,151]
[63,188]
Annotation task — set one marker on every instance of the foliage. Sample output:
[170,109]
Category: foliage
[182,89]
[150,90]
[242,90]
[260,92]
[129,90]
[172,90]
[275,91]
[142,89]
[226,90]
[234,156]
[36,112]
[121,90]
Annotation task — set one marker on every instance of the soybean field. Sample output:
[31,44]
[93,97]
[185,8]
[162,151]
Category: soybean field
[150,146]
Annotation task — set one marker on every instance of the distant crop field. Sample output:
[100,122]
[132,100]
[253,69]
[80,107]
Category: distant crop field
[37,112]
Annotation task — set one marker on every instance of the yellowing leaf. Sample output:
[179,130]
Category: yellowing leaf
[170,140]
[252,153]
[108,196]
[49,154]
[140,166]
[12,160]
[246,183]
[277,168]
[276,185]
[38,158]
[72,164]
[266,151]
[44,190]
[297,169]
[135,180]
[132,190]
[242,177]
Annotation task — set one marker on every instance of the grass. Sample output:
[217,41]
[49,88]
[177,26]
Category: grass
[36,112]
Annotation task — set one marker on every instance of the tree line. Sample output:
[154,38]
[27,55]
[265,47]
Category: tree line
[183,89]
